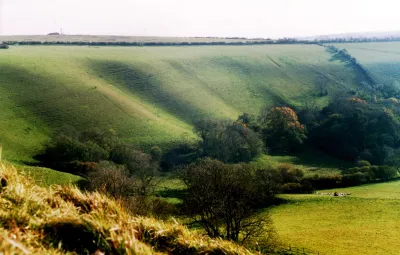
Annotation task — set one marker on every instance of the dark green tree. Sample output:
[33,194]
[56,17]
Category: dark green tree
[230,142]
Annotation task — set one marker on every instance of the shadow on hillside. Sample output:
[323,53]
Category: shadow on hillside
[145,85]
[248,71]
[172,193]
[362,77]
[317,159]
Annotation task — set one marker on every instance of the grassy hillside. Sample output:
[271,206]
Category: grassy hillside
[381,59]
[150,95]
[36,220]
[365,222]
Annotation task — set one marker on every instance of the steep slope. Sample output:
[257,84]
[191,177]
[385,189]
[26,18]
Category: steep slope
[150,95]
[36,220]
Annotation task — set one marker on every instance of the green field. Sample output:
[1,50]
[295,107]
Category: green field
[149,95]
[365,222]
[381,59]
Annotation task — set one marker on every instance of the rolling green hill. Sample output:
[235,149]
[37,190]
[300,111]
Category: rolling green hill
[150,95]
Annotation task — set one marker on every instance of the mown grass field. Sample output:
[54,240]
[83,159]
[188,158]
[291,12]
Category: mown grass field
[365,222]
[149,95]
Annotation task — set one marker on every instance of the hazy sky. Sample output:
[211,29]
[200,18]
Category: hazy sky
[249,18]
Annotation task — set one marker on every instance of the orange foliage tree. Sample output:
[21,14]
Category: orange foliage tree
[282,130]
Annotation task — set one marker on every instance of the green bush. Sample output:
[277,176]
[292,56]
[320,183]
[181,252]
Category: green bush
[292,188]
[290,173]
[355,179]
[362,163]
[386,173]
[325,181]
[372,173]
[156,153]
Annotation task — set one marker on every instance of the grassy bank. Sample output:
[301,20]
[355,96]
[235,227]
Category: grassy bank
[36,220]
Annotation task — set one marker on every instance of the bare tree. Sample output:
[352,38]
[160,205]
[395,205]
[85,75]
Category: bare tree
[224,199]
[111,179]
[134,190]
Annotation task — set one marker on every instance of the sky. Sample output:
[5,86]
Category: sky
[224,18]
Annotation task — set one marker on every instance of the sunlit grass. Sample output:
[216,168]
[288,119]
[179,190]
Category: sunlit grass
[365,222]
[149,95]
[36,220]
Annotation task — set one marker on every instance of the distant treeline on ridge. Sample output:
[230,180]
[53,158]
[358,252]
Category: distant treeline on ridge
[94,43]
[224,41]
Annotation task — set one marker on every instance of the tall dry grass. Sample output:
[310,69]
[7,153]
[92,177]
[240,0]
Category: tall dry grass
[56,220]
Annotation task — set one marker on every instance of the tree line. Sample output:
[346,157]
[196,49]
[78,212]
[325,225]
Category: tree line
[359,39]
[205,43]
[246,41]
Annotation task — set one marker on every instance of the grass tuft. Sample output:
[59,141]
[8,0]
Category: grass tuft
[56,220]
[76,235]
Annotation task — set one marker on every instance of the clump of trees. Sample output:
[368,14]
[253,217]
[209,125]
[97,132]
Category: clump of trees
[281,129]
[366,172]
[230,142]
[276,129]
[136,190]
[109,166]
[75,152]
[353,176]
[3,46]
[354,129]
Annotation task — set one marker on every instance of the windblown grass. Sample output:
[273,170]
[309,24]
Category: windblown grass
[56,220]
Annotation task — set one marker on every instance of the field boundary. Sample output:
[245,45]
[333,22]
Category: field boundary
[141,44]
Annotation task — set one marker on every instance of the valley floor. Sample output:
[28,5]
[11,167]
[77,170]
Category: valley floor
[365,222]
